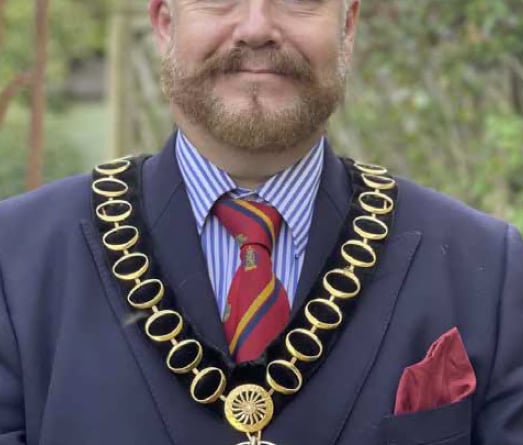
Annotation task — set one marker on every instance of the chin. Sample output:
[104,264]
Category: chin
[256,104]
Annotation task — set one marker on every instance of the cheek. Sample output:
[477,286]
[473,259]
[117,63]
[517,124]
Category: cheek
[319,41]
[197,38]
[322,55]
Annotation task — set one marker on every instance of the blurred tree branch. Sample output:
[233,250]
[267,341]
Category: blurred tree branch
[10,91]
[18,81]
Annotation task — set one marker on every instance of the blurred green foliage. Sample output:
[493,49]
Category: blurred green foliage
[436,93]
[77,30]
[74,134]
[62,156]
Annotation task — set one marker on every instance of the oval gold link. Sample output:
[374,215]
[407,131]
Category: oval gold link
[153,301]
[387,207]
[191,365]
[97,187]
[278,387]
[112,168]
[371,169]
[219,389]
[295,352]
[101,211]
[343,274]
[127,244]
[168,336]
[322,324]
[378,182]
[135,274]
[358,262]
[364,233]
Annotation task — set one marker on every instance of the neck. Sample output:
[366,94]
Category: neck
[247,169]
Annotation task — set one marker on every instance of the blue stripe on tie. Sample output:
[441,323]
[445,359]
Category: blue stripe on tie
[266,307]
[251,215]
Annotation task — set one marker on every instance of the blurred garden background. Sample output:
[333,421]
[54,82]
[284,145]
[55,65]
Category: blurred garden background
[435,93]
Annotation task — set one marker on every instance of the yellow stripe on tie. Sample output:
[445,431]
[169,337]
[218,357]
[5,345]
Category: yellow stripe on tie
[258,212]
[249,313]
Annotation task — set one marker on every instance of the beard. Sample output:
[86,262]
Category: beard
[256,129]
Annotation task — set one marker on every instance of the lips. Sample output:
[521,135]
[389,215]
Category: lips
[258,71]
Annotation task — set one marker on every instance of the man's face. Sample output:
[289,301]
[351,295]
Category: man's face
[258,74]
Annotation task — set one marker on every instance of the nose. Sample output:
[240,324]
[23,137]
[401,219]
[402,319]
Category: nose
[257,26]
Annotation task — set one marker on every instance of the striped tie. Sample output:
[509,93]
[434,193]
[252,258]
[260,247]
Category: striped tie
[257,305]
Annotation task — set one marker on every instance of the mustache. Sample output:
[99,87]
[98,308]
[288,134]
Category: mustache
[241,58]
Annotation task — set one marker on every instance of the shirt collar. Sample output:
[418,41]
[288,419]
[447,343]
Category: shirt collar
[292,191]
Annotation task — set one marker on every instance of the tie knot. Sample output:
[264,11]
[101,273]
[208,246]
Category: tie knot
[249,222]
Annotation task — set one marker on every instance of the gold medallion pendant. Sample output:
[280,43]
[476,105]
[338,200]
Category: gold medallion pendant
[249,409]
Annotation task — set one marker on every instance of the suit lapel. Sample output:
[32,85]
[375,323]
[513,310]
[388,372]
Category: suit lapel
[338,383]
[180,415]
[177,244]
[330,210]
[340,380]
[178,251]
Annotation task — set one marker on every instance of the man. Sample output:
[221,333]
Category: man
[249,255]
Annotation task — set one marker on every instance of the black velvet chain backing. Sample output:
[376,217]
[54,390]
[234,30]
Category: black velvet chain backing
[254,371]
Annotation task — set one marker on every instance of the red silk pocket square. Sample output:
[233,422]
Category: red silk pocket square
[444,376]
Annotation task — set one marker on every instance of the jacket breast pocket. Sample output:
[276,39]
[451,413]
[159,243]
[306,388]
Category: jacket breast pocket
[447,425]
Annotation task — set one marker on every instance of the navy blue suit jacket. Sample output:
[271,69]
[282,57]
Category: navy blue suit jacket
[75,369]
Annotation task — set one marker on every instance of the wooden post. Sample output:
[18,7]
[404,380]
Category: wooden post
[118,86]
[38,102]
[139,117]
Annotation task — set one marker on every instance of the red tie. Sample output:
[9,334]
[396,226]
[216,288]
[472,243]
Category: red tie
[257,304]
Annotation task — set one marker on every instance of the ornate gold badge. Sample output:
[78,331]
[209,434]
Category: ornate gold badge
[241,239]
[249,408]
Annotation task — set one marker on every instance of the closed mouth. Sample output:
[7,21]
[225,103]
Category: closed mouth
[258,71]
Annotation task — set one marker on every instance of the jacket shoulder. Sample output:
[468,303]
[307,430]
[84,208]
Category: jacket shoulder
[57,204]
[420,207]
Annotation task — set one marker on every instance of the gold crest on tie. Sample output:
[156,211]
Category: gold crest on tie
[250,260]
[241,239]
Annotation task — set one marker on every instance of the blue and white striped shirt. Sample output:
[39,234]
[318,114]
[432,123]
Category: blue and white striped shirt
[292,192]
